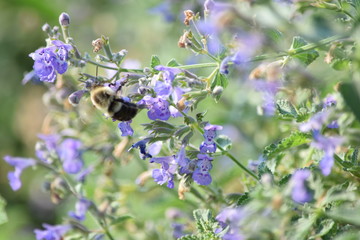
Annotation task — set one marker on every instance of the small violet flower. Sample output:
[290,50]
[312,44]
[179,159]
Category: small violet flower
[142,147]
[70,154]
[81,207]
[47,147]
[125,128]
[52,232]
[210,133]
[268,91]
[201,173]
[20,164]
[328,145]
[300,192]
[315,122]
[51,60]
[166,172]
[231,217]
[158,107]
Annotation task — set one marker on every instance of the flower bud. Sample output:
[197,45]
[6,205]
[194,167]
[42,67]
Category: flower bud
[97,44]
[189,15]
[217,91]
[46,28]
[75,97]
[64,19]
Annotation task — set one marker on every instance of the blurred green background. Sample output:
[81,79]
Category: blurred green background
[131,26]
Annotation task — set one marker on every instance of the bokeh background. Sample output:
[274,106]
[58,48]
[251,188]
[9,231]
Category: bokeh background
[143,28]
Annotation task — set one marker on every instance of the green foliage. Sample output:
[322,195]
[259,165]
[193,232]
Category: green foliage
[155,61]
[220,80]
[3,215]
[295,139]
[350,93]
[303,55]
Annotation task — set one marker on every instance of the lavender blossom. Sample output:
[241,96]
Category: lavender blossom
[166,172]
[81,208]
[51,60]
[75,97]
[169,73]
[183,162]
[158,107]
[125,128]
[47,147]
[210,133]
[52,232]
[19,164]
[231,217]
[300,192]
[142,147]
[201,173]
[70,154]
[268,91]
[328,145]
[315,122]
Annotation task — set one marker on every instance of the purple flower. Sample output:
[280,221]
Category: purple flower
[83,174]
[47,147]
[231,217]
[201,173]
[75,97]
[210,133]
[125,128]
[268,91]
[155,148]
[329,101]
[51,60]
[19,164]
[333,124]
[183,162]
[166,172]
[81,207]
[158,107]
[70,154]
[224,66]
[315,122]
[52,232]
[142,147]
[328,145]
[31,77]
[169,73]
[300,192]
[178,230]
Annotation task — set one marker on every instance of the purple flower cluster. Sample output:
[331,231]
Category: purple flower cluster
[52,232]
[158,107]
[321,142]
[51,60]
[201,174]
[210,133]
[125,128]
[231,217]
[81,207]
[19,164]
[268,89]
[70,153]
[300,192]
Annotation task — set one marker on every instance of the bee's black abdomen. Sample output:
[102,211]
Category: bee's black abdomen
[127,112]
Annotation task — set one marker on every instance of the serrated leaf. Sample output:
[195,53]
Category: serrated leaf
[121,219]
[263,169]
[326,226]
[224,142]
[172,63]
[351,96]
[284,180]
[306,57]
[181,131]
[295,139]
[238,199]
[155,61]
[274,34]
[3,215]
[286,109]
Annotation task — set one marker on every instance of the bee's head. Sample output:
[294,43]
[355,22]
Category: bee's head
[102,96]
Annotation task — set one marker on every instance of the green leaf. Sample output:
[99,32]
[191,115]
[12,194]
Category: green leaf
[340,64]
[3,215]
[326,226]
[351,96]
[306,57]
[274,34]
[155,61]
[286,109]
[295,139]
[238,198]
[121,219]
[220,81]
[224,142]
[263,169]
[346,214]
[172,63]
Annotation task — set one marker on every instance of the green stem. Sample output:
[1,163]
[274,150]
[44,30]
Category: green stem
[199,65]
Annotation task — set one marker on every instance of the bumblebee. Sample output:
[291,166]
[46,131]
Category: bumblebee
[106,99]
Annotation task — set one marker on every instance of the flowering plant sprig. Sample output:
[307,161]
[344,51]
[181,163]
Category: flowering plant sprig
[291,192]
